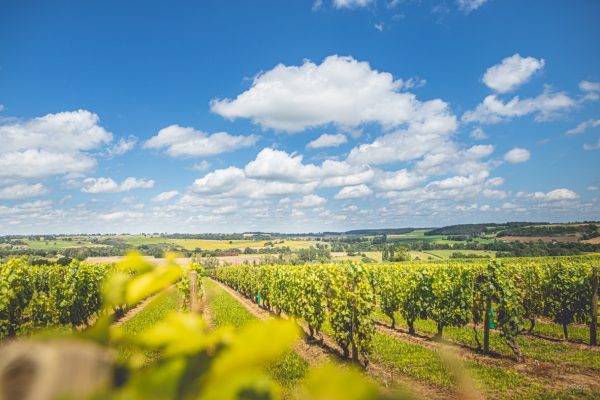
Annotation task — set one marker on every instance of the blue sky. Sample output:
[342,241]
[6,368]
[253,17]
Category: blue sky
[222,116]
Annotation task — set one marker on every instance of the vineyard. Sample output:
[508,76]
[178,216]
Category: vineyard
[395,328]
[450,294]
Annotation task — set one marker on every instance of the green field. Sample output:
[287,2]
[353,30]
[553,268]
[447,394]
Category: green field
[227,311]
[418,235]
[60,244]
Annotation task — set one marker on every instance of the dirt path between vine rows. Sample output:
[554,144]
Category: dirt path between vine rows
[556,375]
[135,310]
[205,309]
[316,352]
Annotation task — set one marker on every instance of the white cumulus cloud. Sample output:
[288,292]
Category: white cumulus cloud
[478,134]
[51,145]
[311,200]
[511,73]
[328,140]
[21,190]
[277,165]
[340,90]
[351,3]
[353,192]
[398,180]
[545,106]
[123,146]
[165,196]
[588,86]
[553,195]
[178,141]
[121,215]
[108,185]
[517,155]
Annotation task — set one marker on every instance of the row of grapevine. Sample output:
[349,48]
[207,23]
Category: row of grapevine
[36,296]
[450,293]
[343,293]
[455,293]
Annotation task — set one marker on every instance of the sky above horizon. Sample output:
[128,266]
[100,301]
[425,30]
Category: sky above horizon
[296,116]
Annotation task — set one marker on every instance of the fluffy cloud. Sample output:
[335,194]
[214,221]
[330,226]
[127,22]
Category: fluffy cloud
[511,73]
[451,159]
[77,130]
[21,190]
[276,165]
[108,185]
[232,182]
[478,134]
[201,166]
[553,195]
[121,215]
[35,163]
[121,147]
[275,173]
[561,194]
[458,182]
[340,90]
[408,144]
[584,126]
[351,3]
[353,192]
[588,86]
[398,180]
[180,141]
[470,5]
[545,106]
[51,145]
[327,140]
[517,155]
[165,196]
[311,200]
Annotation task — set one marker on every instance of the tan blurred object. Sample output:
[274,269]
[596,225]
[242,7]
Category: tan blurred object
[32,370]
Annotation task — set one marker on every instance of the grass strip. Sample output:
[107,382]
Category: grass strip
[226,310]
[154,312]
[532,347]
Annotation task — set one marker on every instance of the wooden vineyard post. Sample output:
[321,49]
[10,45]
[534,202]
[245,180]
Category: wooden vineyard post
[594,307]
[194,291]
[486,325]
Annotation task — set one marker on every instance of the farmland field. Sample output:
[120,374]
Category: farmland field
[59,244]
[448,253]
[207,244]
[421,362]
[564,239]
